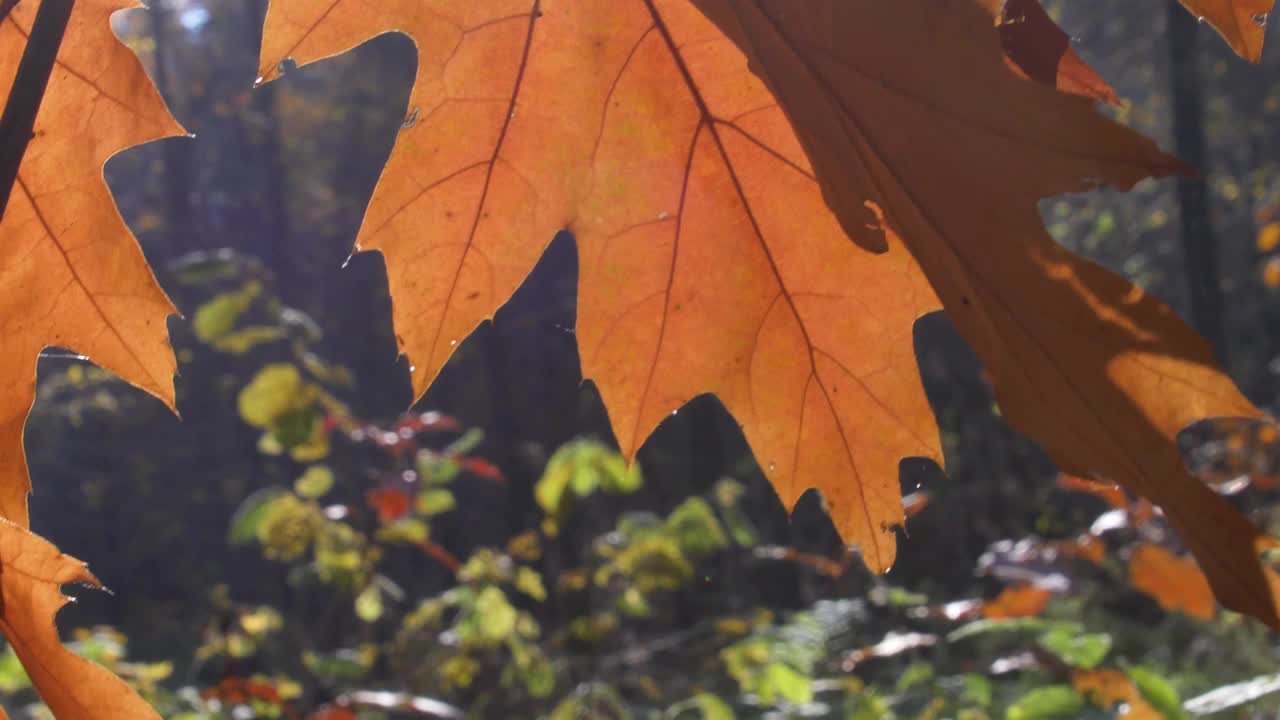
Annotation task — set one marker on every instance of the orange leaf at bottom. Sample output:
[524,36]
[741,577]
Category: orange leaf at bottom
[1108,688]
[31,573]
[1175,582]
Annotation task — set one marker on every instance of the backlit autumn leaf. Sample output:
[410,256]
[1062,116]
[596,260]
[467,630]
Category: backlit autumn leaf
[884,98]
[709,261]
[31,571]
[1036,47]
[1242,22]
[1175,582]
[71,274]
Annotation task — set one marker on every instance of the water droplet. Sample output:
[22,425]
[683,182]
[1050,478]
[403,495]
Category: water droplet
[773,466]
[453,342]
[674,413]
[413,368]
[190,136]
[257,82]
[411,120]
[663,215]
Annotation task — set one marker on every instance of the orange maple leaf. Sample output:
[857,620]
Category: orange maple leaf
[710,263]
[71,273]
[31,572]
[638,126]
[1175,582]
[1243,23]
[1099,373]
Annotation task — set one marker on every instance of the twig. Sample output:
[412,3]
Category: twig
[398,701]
[29,84]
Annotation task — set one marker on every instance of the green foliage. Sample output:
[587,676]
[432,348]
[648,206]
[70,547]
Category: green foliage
[621,619]
[1052,702]
[1157,690]
[1077,650]
[577,470]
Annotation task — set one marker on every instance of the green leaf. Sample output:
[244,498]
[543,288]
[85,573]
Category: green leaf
[295,427]
[617,477]
[405,531]
[242,341]
[493,619]
[901,597]
[696,527]
[712,707]
[1158,691]
[343,666]
[1047,703]
[469,441]
[977,690]
[633,603]
[247,518]
[1081,651]
[539,677]
[916,673]
[272,393]
[783,680]
[584,466]
[369,607]
[436,469]
[529,582]
[435,501]
[219,315]
[315,482]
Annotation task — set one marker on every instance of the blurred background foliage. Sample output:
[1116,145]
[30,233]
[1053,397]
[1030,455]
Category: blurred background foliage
[300,546]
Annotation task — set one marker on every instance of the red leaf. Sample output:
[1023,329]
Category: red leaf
[483,468]
[390,504]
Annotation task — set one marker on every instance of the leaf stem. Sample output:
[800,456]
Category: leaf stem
[19,119]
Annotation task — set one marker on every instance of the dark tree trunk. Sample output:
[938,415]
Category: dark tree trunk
[180,222]
[1199,250]
[276,251]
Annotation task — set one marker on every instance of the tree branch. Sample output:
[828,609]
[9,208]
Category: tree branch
[29,84]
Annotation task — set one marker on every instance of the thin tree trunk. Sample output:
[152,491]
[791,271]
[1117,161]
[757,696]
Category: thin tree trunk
[1199,250]
[180,221]
[276,251]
